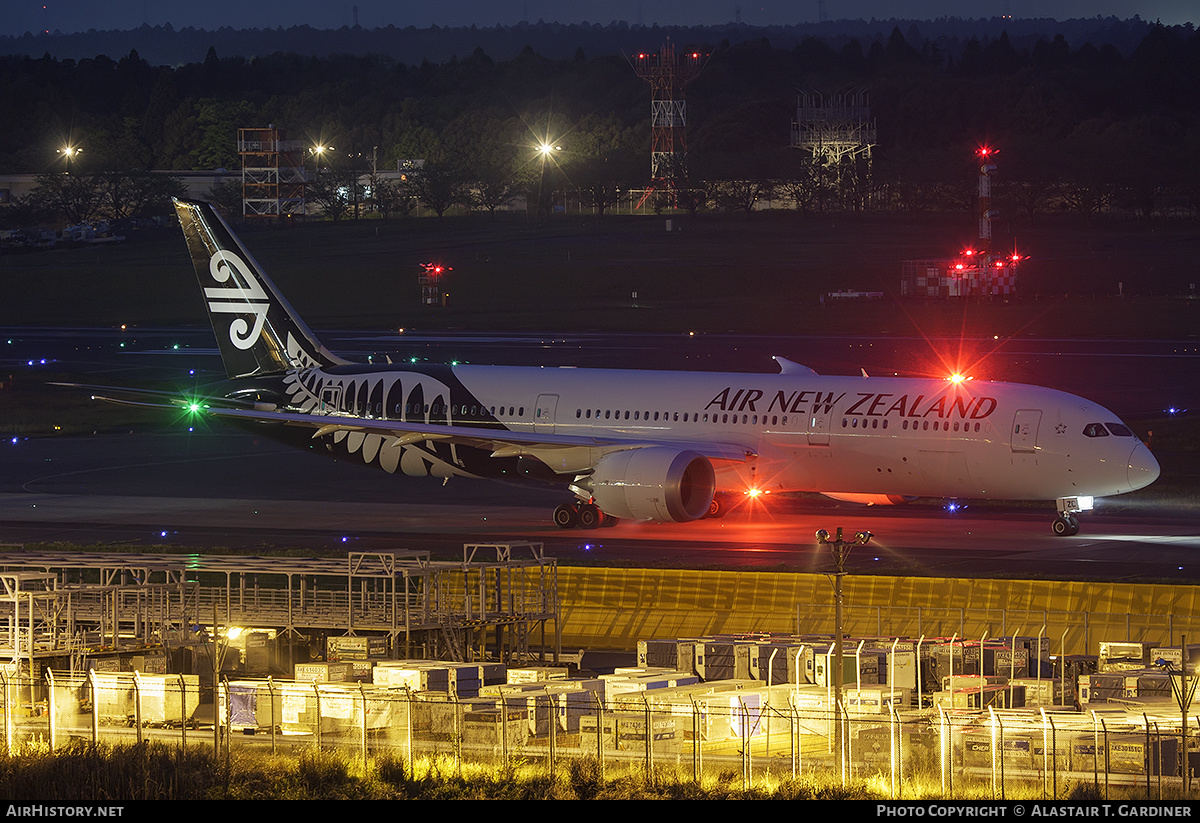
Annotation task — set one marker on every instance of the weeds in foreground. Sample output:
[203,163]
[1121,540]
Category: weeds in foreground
[84,772]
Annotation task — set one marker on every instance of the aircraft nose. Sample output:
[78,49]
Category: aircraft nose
[1143,468]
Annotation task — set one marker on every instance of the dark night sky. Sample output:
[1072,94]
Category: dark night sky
[22,16]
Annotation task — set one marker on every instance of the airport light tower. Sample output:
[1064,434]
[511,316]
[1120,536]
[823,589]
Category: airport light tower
[979,270]
[841,550]
[668,73]
[992,273]
[431,282]
[987,166]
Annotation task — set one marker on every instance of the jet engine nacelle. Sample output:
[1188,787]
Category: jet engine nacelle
[870,499]
[655,483]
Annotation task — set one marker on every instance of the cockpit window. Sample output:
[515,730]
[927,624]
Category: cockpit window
[1120,430]
[1095,430]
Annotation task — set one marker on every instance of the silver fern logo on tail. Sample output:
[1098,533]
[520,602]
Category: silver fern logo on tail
[242,296]
[252,321]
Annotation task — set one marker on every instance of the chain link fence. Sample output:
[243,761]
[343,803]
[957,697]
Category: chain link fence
[732,731]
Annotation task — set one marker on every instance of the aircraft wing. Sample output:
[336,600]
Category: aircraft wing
[501,442]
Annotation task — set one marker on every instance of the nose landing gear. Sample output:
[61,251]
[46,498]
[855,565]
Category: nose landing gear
[1067,524]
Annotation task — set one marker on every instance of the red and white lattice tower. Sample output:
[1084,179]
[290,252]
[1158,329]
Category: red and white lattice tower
[994,273]
[668,73]
[987,166]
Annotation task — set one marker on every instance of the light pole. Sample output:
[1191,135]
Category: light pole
[319,153]
[544,150]
[841,550]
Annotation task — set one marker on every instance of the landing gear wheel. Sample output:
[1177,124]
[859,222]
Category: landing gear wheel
[719,507]
[566,516]
[590,516]
[1065,526]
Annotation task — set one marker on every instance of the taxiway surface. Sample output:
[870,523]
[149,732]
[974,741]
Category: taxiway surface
[225,488]
[229,489]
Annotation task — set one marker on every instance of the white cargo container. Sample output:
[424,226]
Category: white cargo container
[166,699]
[323,672]
[875,700]
[536,674]
[615,684]
[1043,691]
[1117,655]
[169,698]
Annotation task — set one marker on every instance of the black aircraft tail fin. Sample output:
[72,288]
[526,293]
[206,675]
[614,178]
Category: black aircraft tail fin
[257,331]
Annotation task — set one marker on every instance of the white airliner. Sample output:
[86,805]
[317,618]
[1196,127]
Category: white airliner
[652,445]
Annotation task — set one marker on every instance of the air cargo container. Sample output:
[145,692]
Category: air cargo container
[162,702]
[1117,655]
[355,648]
[867,667]
[875,700]
[323,672]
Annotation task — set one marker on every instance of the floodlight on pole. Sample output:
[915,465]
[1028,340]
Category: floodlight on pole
[841,550]
[544,151]
[70,153]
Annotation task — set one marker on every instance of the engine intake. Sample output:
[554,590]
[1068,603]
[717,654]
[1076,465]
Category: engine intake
[655,483]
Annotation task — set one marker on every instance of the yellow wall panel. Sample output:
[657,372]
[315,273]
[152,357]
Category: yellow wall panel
[614,608]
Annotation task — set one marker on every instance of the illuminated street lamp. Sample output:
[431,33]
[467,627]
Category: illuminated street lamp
[545,150]
[319,153]
[841,550]
[70,153]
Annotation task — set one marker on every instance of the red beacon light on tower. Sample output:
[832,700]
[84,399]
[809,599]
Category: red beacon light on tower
[430,281]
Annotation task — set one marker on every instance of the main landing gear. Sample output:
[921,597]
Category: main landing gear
[581,515]
[719,507]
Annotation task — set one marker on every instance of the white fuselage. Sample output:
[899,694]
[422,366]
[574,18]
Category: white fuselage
[795,432]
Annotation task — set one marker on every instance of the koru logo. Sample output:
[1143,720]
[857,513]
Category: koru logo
[242,294]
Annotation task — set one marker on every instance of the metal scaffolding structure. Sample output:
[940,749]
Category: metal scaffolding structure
[834,128]
[273,178]
[67,605]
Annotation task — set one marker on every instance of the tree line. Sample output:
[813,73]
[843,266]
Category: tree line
[1080,127]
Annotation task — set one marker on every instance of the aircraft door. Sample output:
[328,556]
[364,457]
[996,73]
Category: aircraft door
[818,425]
[1025,430]
[331,400]
[543,413]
